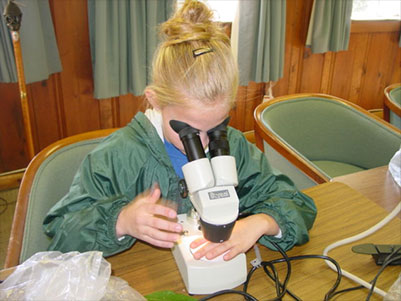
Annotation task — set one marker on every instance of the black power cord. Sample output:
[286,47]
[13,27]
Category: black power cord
[387,261]
[281,287]
[224,292]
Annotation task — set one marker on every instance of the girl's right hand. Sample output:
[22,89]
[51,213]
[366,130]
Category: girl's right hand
[146,220]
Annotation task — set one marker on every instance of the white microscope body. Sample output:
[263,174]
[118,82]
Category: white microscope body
[211,190]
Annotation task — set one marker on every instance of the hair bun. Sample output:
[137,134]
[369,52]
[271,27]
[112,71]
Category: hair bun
[193,21]
[195,12]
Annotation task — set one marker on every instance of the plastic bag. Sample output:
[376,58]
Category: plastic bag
[69,276]
[118,289]
[395,167]
[394,293]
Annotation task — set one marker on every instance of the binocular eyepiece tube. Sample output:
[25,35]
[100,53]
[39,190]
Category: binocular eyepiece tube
[218,143]
[218,146]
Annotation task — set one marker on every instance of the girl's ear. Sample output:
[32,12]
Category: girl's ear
[152,99]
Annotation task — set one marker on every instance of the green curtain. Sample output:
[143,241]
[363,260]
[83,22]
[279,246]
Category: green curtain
[38,43]
[329,25]
[123,37]
[261,40]
[8,72]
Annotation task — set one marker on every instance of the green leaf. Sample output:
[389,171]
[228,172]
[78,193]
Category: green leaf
[168,296]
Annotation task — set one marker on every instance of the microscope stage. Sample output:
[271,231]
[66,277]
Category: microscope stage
[206,276]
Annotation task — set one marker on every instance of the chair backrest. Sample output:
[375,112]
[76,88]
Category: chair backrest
[392,104]
[46,180]
[307,128]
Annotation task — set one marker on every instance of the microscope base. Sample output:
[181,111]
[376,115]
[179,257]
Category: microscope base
[206,276]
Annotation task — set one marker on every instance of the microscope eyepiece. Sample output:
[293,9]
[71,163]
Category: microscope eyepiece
[190,139]
[218,143]
[210,182]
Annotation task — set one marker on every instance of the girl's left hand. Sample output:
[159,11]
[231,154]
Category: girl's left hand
[245,233]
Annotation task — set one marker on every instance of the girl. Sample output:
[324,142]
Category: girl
[113,199]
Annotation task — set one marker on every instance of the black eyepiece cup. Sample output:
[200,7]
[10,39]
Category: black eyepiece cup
[190,139]
[218,143]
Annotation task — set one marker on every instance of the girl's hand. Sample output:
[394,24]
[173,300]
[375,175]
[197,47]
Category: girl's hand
[146,220]
[245,234]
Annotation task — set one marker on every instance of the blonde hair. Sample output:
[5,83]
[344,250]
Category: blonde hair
[178,74]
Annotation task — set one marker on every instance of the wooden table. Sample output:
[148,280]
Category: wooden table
[376,184]
[342,212]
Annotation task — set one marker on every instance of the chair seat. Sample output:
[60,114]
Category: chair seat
[335,169]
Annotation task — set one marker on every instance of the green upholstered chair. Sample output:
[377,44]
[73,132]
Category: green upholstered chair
[46,180]
[392,104]
[315,137]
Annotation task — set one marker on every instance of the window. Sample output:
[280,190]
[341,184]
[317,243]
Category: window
[376,10]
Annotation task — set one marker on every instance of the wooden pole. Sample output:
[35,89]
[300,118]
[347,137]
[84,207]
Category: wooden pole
[13,16]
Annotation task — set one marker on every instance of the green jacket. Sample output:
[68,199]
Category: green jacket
[130,160]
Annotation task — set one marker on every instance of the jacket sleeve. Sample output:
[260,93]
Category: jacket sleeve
[84,220]
[261,191]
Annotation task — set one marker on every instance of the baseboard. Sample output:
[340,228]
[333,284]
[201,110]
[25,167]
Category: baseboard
[12,179]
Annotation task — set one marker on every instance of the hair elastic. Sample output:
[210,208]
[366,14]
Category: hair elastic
[200,51]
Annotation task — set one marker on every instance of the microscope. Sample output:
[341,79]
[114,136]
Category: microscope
[210,184]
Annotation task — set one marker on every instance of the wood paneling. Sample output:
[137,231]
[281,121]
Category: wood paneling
[64,105]
[360,74]
[13,151]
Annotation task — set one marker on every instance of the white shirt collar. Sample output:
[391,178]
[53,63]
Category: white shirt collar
[155,118]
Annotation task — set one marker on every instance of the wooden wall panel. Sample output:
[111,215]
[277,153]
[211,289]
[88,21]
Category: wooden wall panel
[358,49]
[47,127]
[107,111]
[340,73]
[237,112]
[396,73]
[297,20]
[311,72]
[378,70]
[248,98]
[81,111]
[128,106]
[64,105]
[13,152]
[255,92]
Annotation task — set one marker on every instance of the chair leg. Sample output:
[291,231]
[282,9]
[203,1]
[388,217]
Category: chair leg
[386,113]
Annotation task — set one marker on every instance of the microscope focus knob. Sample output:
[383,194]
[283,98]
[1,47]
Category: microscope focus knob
[182,188]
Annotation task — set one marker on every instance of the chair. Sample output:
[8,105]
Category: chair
[313,138]
[46,180]
[392,104]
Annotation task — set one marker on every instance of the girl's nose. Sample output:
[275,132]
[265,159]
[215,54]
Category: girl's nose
[204,139]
